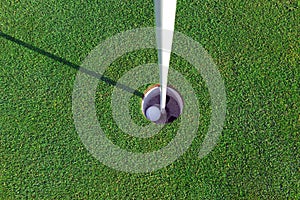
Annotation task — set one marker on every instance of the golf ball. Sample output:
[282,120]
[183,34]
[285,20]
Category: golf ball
[153,113]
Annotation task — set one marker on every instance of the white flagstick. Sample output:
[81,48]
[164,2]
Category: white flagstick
[165,18]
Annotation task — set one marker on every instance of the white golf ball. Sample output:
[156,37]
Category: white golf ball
[153,113]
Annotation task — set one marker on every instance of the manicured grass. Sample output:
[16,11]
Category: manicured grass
[256,48]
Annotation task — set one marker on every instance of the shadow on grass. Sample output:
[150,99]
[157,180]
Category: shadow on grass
[70,64]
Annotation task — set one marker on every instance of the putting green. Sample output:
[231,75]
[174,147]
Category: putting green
[255,47]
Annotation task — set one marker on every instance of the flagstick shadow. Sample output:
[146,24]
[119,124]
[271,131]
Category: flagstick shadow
[70,64]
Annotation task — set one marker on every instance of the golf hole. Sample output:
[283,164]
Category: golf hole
[151,105]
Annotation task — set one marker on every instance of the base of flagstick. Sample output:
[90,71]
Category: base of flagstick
[151,105]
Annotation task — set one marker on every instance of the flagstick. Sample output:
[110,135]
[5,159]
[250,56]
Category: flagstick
[165,18]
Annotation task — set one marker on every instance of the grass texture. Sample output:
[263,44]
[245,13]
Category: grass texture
[255,45]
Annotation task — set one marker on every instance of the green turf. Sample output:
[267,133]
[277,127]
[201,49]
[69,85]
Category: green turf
[255,45]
